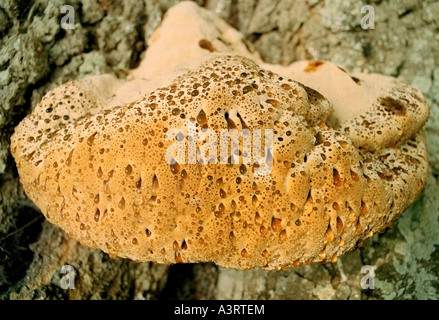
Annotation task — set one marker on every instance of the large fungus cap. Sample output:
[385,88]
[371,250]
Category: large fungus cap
[92,156]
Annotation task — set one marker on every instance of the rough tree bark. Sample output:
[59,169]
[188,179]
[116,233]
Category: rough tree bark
[36,54]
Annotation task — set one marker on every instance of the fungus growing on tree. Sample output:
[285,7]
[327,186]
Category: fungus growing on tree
[343,166]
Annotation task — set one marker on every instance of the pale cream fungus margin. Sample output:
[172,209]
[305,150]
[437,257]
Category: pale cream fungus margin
[349,154]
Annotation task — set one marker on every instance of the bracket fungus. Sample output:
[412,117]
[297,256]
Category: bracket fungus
[349,154]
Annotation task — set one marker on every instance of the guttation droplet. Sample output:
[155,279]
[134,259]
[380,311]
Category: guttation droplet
[201,118]
[122,203]
[276,224]
[178,257]
[175,167]
[255,201]
[337,179]
[97,214]
[155,185]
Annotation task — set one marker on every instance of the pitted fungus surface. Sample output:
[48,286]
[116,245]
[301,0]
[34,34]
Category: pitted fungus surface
[339,175]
